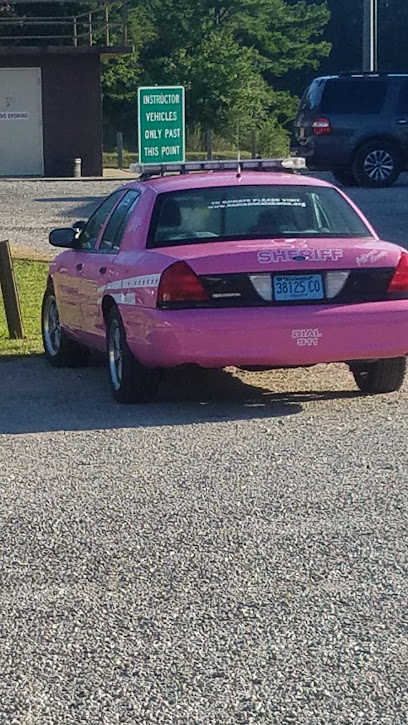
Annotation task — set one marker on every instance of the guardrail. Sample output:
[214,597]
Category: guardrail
[100,26]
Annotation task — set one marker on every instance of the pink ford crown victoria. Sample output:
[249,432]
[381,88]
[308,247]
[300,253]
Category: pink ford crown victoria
[235,267]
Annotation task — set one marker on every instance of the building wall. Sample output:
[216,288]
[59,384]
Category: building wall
[71,109]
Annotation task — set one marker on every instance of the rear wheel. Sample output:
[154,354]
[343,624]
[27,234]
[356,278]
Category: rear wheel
[382,376]
[130,381]
[377,164]
[60,350]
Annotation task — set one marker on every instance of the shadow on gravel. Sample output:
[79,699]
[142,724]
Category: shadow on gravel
[37,398]
[83,209]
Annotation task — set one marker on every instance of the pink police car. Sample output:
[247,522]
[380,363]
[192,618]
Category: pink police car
[230,267]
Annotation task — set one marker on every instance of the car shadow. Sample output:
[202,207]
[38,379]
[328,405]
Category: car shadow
[83,206]
[79,210]
[38,398]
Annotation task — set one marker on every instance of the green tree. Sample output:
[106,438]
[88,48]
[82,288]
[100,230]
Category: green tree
[345,33]
[227,53]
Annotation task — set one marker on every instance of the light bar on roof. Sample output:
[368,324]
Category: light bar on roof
[292,163]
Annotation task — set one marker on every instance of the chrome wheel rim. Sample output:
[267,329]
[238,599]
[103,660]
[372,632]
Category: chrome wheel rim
[115,354]
[379,165]
[52,327]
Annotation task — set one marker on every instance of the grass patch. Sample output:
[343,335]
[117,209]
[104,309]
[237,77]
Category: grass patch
[31,278]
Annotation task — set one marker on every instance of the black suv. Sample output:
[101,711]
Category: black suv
[355,125]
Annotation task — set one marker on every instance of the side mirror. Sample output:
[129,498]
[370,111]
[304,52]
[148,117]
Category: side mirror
[62,238]
[78,226]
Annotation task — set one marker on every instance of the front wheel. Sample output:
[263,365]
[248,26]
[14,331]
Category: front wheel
[382,376]
[377,164]
[130,381]
[60,350]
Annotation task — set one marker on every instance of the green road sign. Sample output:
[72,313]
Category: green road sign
[162,134]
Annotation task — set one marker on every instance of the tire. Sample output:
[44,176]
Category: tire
[383,376]
[377,164]
[130,381]
[344,177]
[60,350]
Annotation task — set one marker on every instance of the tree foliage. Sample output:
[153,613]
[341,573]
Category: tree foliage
[345,33]
[233,57]
[227,53]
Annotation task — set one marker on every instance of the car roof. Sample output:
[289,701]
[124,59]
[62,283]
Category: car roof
[228,178]
[357,76]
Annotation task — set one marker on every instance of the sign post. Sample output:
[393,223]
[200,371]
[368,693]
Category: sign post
[10,295]
[370,35]
[161,125]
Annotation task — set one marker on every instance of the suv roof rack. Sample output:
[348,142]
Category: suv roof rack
[372,73]
[289,165]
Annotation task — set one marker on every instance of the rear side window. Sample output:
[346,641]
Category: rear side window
[402,105]
[89,235]
[353,96]
[113,232]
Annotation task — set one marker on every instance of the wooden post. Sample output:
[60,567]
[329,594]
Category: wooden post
[107,37]
[10,296]
[90,29]
[253,144]
[119,146]
[209,145]
[125,22]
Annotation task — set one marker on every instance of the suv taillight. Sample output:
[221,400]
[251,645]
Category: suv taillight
[179,283]
[321,126]
[399,282]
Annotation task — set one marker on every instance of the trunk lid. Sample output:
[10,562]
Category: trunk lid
[277,255]
[290,271]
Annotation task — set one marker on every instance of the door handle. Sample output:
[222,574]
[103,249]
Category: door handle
[102,270]
[79,266]
[403,122]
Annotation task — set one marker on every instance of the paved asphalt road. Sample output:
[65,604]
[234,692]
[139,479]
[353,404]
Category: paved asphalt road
[234,553]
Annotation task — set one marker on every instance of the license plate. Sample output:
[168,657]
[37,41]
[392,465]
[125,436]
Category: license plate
[296,287]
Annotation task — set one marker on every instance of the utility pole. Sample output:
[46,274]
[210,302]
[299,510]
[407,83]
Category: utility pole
[370,35]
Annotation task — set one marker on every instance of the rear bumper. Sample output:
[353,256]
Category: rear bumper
[323,153]
[279,336]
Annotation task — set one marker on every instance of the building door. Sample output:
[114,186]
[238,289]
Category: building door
[21,132]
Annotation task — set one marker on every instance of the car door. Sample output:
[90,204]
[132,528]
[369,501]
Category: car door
[96,272]
[68,277]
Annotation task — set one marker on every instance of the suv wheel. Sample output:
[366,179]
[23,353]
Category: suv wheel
[377,164]
[344,177]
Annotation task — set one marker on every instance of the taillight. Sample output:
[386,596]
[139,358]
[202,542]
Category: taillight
[179,283]
[321,126]
[399,282]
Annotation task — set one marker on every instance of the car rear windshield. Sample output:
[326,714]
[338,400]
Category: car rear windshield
[226,213]
[353,96]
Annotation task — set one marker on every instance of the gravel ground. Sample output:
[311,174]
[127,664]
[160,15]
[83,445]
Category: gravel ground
[31,208]
[234,553]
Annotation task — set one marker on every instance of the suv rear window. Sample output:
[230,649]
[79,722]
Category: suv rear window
[220,214]
[353,96]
